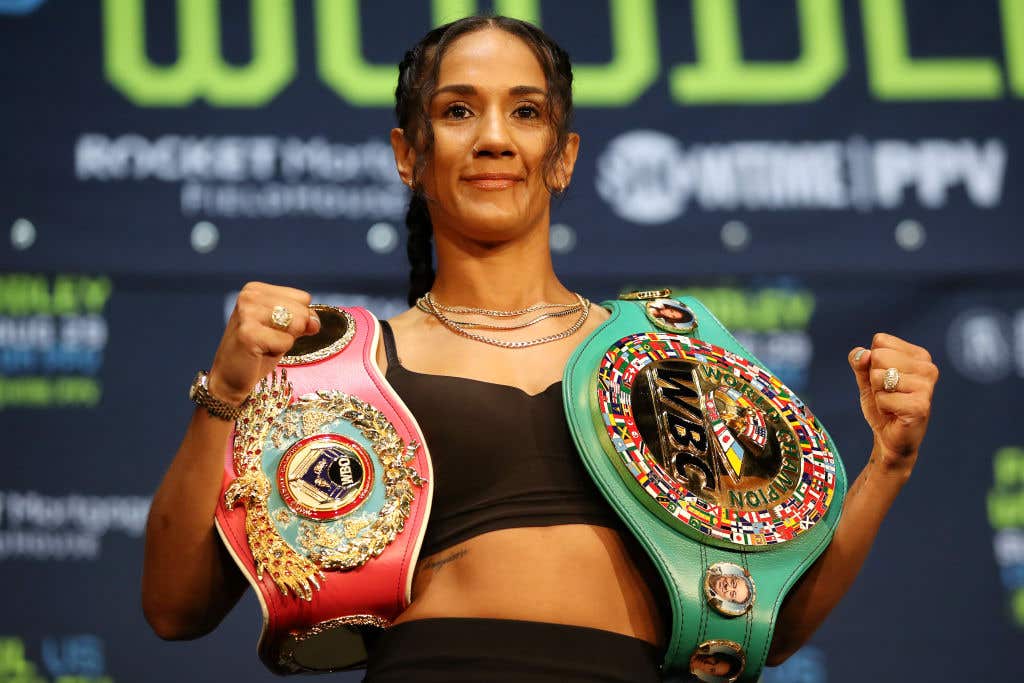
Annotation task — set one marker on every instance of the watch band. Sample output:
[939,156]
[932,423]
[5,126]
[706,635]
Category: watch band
[201,396]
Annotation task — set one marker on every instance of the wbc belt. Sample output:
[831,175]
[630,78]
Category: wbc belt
[326,494]
[726,478]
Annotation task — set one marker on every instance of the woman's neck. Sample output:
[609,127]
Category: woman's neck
[502,275]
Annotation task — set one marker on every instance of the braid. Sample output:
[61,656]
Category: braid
[418,248]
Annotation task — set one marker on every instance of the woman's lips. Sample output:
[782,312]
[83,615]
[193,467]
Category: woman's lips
[492,181]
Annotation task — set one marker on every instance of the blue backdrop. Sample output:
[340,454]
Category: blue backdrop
[814,170]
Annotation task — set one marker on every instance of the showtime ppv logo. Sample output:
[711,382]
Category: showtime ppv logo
[648,177]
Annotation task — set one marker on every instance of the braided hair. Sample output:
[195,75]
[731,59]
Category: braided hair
[417,79]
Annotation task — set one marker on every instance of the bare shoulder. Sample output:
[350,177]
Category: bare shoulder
[406,319]
[599,313]
[400,325]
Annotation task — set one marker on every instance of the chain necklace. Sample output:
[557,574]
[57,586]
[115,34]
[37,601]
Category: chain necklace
[566,309]
[421,303]
[515,326]
[456,326]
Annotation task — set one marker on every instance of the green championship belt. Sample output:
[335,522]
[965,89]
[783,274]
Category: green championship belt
[728,481]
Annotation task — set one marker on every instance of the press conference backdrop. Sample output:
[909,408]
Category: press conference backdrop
[815,170]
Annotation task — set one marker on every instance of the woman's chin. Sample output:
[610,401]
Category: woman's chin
[495,224]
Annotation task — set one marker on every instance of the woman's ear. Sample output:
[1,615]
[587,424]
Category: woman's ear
[405,155]
[567,162]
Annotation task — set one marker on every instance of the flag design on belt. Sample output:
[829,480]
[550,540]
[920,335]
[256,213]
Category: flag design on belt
[732,451]
[739,421]
[755,431]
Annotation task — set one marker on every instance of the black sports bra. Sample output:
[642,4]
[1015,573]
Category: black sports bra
[502,458]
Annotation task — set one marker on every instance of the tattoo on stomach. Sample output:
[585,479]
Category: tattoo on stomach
[439,563]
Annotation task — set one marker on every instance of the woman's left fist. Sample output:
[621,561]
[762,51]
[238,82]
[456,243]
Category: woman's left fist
[896,381]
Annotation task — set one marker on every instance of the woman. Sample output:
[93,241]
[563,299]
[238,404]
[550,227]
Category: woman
[538,582]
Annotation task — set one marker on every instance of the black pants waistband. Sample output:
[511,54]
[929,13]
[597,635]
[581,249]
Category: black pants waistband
[503,650]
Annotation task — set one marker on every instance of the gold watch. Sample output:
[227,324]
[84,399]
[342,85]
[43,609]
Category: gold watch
[199,393]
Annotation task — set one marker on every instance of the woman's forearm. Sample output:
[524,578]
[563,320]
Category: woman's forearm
[189,582]
[828,579]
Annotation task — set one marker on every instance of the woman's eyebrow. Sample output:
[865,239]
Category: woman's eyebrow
[458,89]
[527,90]
[466,90]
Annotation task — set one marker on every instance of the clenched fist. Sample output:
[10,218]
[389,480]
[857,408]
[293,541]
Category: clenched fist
[252,344]
[898,415]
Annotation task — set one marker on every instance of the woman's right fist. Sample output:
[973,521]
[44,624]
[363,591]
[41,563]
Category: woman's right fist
[252,344]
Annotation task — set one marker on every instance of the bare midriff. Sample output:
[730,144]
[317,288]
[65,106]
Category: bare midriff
[573,574]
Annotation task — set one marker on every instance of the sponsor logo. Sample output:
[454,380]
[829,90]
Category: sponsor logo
[1005,504]
[20,6]
[987,345]
[53,333]
[719,73]
[252,177]
[61,659]
[649,177]
[71,526]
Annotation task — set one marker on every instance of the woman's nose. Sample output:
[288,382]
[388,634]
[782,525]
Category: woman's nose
[494,138]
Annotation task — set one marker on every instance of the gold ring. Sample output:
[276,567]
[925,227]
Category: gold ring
[281,317]
[891,380]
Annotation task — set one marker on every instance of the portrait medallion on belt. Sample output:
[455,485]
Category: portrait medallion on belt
[711,442]
[729,589]
[718,661]
[671,315]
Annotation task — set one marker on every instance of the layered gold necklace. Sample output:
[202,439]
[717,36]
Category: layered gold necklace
[581,307]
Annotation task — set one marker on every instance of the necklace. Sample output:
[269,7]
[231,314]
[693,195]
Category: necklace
[458,326]
[421,304]
[564,309]
[515,326]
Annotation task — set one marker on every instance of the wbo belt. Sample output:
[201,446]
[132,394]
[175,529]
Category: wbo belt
[326,494]
[725,477]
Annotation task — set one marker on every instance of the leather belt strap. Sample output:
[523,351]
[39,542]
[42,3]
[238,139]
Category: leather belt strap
[326,496]
[704,541]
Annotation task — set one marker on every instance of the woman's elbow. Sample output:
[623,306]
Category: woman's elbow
[169,624]
[777,658]
[780,650]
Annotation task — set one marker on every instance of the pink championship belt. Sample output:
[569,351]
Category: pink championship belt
[326,497]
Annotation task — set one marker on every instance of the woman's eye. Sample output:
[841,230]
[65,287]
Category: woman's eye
[457,111]
[527,112]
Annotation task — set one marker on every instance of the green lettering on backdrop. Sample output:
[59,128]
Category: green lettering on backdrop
[635,61]
[200,71]
[340,57]
[1013,40]
[23,294]
[1005,501]
[340,46]
[339,54]
[721,75]
[620,82]
[895,75]
[757,310]
[12,658]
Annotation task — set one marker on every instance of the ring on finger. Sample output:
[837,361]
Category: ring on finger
[281,317]
[891,380]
